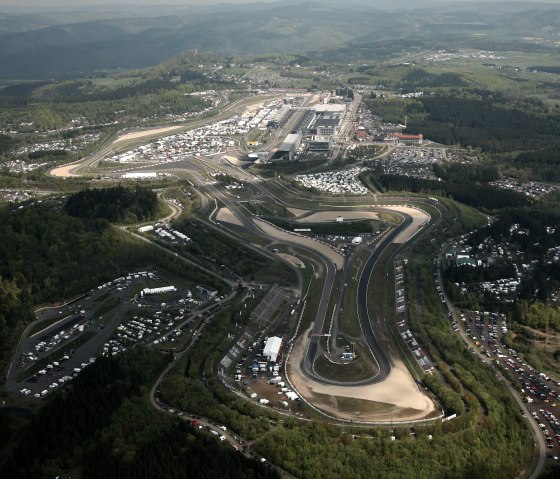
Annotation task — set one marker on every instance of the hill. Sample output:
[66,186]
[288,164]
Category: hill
[40,46]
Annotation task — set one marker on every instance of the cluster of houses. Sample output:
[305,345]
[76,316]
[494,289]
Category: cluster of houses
[67,144]
[20,166]
[444,55]
[532,189]
[14,196]
[489,254]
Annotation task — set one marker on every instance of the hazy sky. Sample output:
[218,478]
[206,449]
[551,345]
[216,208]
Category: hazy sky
[45,4]
[116,3]
[113,3]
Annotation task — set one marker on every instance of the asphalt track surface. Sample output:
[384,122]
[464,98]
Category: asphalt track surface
[378,353]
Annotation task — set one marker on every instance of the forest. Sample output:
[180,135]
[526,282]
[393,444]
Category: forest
[491,121]
[543,163]
[116,204]
[479,195]
[420,78]
[105,414]
[218,251]
[107,100]
[85,90]
[6,143]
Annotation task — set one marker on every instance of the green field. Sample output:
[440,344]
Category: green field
[358,369]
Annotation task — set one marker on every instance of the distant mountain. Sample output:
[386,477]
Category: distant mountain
[113,40]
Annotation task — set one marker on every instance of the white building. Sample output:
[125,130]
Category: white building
[140,175]
[272,348]
[164,289]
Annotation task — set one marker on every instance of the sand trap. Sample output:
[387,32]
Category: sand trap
[234,161]
[298,263]
[143,133]
[419,219]
[399,395]
[226,215]
[310,243]
[297,212]
[325,216]
[252,107]
[64,171]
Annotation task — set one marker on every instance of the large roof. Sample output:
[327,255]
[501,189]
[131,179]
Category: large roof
[290,142]
[272,348]
[330,107]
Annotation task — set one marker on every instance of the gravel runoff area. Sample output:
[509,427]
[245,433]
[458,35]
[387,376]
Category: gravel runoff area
[297,212]
[281,235]
[64,171]
[298,263]
[227,216]
[397,399]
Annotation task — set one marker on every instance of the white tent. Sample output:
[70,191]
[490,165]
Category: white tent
[272,347]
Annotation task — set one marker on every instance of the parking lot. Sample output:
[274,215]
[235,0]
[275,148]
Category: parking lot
[106,321]
[411,161]
[486,331]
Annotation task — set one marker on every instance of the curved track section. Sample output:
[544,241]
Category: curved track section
[313,349]
[378,353]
